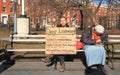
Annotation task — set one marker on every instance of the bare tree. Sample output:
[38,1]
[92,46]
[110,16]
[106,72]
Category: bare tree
[42,8]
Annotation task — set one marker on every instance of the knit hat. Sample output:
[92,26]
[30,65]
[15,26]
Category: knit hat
[99,29]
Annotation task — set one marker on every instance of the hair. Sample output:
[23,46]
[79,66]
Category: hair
[64,17]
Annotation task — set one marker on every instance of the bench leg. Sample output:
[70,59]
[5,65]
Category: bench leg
[109,61]
[7,56]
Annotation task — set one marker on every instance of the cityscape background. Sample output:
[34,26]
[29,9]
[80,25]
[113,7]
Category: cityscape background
[46,13]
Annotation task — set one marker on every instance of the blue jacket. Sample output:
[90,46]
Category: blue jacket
[87,37]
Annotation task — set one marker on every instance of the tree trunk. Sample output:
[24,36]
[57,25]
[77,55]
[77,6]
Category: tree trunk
[81,24]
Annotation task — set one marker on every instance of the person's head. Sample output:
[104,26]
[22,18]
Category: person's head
[63,21]
[99,29]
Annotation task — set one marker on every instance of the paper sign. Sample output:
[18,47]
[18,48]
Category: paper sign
[61,40]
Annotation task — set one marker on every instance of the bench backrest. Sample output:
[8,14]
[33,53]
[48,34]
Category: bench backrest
[41,38]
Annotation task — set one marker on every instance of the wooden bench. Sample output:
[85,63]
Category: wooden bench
[27,39]
[113,39]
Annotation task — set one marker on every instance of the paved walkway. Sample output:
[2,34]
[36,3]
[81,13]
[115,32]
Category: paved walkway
[40,68]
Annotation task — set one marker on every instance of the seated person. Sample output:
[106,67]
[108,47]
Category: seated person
[63,23]
[94,51]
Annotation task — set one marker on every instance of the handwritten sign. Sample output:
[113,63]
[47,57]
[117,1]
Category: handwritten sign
[61,40]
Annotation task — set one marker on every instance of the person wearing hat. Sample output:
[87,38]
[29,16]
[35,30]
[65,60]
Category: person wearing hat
[94,39]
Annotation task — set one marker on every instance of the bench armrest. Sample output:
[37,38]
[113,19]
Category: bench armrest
[109,47]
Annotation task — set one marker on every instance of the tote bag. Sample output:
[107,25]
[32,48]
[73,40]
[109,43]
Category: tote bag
[79,45]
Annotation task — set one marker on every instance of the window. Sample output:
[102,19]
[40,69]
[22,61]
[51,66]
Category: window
[18,1]
[49,20]
[11,1]
[37,19]
[4,9]
[4,0]
[11,9]
[48,11]
[68,13]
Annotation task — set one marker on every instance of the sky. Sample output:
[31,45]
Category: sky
[97,1]
[104,1]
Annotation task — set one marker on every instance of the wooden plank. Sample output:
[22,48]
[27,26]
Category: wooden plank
[25,50]
[114,40]
[45,35]
[116,51]
[28,40]
[28,35]
[43,40]
[116,36]
[34,50]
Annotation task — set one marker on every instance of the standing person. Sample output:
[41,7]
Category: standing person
[10,23]
[94,39]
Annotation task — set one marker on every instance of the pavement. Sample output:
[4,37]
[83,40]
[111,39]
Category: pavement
[40,68]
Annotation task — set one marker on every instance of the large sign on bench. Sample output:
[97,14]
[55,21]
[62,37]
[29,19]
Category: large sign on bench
[61,40]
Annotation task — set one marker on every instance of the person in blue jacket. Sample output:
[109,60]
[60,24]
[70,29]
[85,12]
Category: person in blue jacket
[94,40]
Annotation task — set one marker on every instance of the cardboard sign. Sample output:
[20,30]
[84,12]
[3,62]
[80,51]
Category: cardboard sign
[61,40]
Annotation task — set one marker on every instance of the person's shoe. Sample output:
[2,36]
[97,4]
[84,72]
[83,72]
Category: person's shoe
[62,68]
[45,60]
[101,68]
[88,70]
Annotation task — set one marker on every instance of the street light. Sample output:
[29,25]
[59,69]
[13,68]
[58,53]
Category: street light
[15,25]
[23,7]
[22,26]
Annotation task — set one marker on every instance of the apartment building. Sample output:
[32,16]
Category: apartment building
[7,9]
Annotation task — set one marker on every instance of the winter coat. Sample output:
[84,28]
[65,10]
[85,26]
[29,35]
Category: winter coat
[62,26]
[87,37]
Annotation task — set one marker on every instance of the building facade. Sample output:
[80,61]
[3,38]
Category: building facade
[7,9]
[47,16]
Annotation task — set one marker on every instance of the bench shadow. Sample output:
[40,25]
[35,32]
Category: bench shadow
[79,56]
[95,72]
[6,64]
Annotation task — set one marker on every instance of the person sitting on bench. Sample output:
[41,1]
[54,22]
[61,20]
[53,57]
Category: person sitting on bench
[94,50]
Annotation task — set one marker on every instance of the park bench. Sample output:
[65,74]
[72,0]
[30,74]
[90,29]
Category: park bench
[113,39]
[2,49]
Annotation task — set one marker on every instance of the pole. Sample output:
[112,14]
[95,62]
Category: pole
[23,7]
[15,25]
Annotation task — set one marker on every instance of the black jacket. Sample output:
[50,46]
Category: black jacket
[62,26]
[87,37]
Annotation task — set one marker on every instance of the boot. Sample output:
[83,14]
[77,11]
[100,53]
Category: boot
[62,67]
[47,59]
[88,70]
[101,68]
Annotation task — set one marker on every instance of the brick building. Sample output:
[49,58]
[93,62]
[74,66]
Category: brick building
[7,9]
[46,16]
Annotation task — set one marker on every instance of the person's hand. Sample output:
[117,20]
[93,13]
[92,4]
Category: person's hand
[98,42]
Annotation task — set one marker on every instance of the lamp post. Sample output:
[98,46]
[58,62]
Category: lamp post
[23,22]
[23,7]
[15,25]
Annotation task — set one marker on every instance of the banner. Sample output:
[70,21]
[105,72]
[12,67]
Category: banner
[60,40]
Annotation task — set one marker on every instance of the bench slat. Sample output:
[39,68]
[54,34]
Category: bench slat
[114,40]
[25,50]
[28,35]
[116,51]
[43,40]
[28,40]
[45,35]
[35,50]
